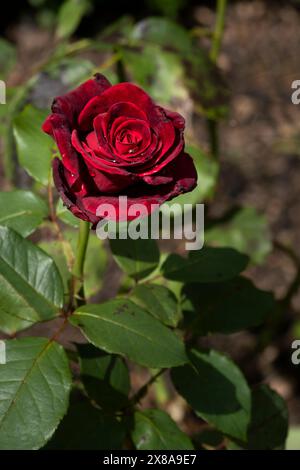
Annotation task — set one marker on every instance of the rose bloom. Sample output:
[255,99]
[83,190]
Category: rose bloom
[113,141]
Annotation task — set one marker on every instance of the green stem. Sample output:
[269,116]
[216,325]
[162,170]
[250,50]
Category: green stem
[295,284]
[212,124]
[213,135]
[78,269]
[218,32]
[120,68]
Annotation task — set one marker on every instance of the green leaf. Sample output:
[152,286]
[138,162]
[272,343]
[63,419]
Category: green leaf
[269,420]
[138,65]
[247,232]
[206,265]
[225,307]
[55,250]
[117,31]
[70,15]
[216,390]
[207,171]
[66,215]
[211,97]
[159,301]
[208,439]
[95,261]
[7,57]
[71,71]
[22,210]
[138,258]
[34,147]
[155,430]
[122,327]
[164,32]
[168,8]
[105,377]
[34,392]
[31,288]
[293,440]
[159,72]
[87,428]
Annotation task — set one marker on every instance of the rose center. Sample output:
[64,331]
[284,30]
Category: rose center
[130,138]
[128,141]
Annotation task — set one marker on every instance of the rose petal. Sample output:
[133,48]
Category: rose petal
[107,182]
[130,138]
[185,179]
[123,109]
[57,127]
[112,151]
[176,118]
[171,144]
[68,198]
[99,162]
[65,111]
[71,104]
[162,160]
[120,93]
[156,180]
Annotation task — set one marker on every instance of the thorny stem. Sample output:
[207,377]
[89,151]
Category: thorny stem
[78,268]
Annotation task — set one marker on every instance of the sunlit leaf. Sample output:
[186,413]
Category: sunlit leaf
[31,288]
[70,15]
[138,258]
[34,392]
[159,301]
[34,147]
[119,326]
[22,210]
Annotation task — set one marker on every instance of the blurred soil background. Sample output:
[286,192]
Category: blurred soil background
[260,158]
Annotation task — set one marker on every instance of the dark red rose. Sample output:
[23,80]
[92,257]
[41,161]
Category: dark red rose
[114,140]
